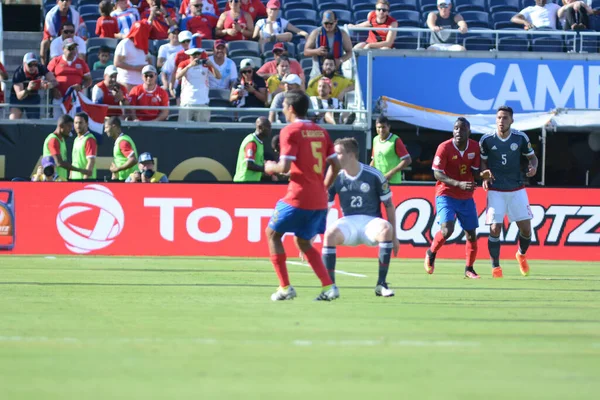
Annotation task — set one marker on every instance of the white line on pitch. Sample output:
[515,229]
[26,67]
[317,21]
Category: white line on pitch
[337,271]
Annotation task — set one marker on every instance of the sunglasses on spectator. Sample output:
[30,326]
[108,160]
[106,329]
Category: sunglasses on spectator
[328,23]
[149,75]
[197,5]
[63,1]
[234,1]
[185,41]
[382,9]
[246,71]
[71,48]
[68,31]
[32,65]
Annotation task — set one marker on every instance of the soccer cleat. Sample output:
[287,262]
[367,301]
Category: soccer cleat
[470,273]
[383,291]
[523,264]
[429,262]
[284,294]
[497,272]
[328,295]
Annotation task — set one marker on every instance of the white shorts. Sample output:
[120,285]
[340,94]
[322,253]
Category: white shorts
[359,229]
[514,204]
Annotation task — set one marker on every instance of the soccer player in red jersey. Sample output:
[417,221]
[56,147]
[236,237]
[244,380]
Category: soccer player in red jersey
[305,151]
[455,165]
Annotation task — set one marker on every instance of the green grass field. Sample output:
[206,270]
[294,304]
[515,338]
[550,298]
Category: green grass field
[193,328]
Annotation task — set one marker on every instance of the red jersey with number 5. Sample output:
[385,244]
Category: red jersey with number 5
[308,146]
[456,165]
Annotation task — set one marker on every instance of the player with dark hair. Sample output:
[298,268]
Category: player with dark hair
[501,152]
[361,189]
[306,149]
[455,166]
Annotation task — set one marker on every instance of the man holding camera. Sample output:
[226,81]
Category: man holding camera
[146,172]
[163,19]
[47,171]
[110,92]
[195,84]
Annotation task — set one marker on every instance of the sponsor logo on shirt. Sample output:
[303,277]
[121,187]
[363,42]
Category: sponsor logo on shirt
[455,157]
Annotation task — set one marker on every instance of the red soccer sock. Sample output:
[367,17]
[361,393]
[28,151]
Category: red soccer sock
[438,242]
[471,251]
[316,263]
[278,261]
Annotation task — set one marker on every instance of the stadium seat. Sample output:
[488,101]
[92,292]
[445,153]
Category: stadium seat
[91,58]
[88,9]
[477,19]
[548,44]
[249,117]
[408,5]
[90,17]
[469,5]
[526,3]
[504,5]
[406,43]
[90,26]
[428,5]
[208,44]
[407,18]
[360,16]
[48,7]
[358,5]
[590,44]
[155,45]
[306,63]
[323,5]
[218,94]
[98,42]
[220,103]
[343,16]
[84,2]
[501,20]
[478,43]
[300,50]
[301,17]
[298,5]
[214,117]
[243,48]
[97,74]
[513,44]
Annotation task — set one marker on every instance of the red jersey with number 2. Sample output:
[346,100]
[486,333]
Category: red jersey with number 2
[308,146]
[456,165]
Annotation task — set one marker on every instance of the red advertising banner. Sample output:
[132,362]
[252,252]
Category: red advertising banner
[229,220]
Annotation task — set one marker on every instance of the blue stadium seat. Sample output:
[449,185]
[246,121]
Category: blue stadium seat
[90,17]
[91,28]
[208,44]
[428,5]
[590,44]
[504,5]
[406,42]
[595,4]
[407,18]
[526,3]
[501,20]
[84,2]
[548,44]
[469,5]
[360,16]
[240,48]
[323,5]
[477,19]
[88,9]
[478,43]
[359,5]
[306,63]
[300,50]
[95,42]
[513,44]
[48,7]
[409,5]
[301,17]
[298,5]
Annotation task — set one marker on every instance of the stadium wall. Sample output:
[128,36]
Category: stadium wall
[229,220]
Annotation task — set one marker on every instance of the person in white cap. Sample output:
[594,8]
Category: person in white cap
[149,94]
[250,90]
[110,92]
[194,74]
[170,68]
[146,172]
[67,32]
[290,82]
[171,47]
[444,19]
[28,79]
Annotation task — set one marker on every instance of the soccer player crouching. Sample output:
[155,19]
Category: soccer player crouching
[361,189]
[455,165]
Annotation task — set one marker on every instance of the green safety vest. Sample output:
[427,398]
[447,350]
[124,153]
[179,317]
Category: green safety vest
[62,172]
[385,157]
[242,173]
[79,158]
[120,159]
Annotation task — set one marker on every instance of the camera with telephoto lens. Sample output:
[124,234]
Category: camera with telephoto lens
[49,171]
[200,61]
[148,173]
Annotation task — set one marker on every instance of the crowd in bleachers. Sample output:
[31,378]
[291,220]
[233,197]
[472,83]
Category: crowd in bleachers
[243,53]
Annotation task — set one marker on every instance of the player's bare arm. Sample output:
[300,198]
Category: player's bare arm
[533,165]
[390,212]
[403,164]
[281,167]
[332,172]
[464,185]
[486,181]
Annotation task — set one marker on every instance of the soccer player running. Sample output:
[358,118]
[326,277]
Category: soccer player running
[501,152]
[306,149]
[455,165]
[361,189]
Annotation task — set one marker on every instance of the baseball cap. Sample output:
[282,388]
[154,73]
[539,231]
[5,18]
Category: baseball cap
[193,51]
[69,42]
[148,68]
[48,161]
[325,80]
[279,46]
[220,42]
[444,3]
[173,28]
[145,157]
[273,4]
[246,62]
[184,35]
[292,79]
[110,70]
[29,58]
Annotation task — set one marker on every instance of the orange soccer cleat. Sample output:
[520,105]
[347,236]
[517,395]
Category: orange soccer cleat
[497,272]
[523,264]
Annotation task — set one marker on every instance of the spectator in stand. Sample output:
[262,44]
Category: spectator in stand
[194,73]
[324,101]
[199,22]
[167,49]
[106,26]
[250,90]
[444,19]
[104,58]
[146,172]
[162,18]
[380,18]
[225,65]
[131,54]
[328,40]
[126,16]
[235,24]
[28,79]
[575,14]
[340,85]
[149,94]
[3,77]
[55,19]
[185,39]
[67,32]
[110,92]
[273,28]
[290,82]
[255,8]
[209,7]
[275,83]
[270,68]
[69,70]
[542,15]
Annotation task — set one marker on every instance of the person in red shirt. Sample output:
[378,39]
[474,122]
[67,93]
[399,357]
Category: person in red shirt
[270,68]
[253,7]
[455,166]
[305,151]
[149,94]
[235,24]
[209,7]
[110,92]
[380,18]
[201,23]
[106,26]
[3,77]
[163,19]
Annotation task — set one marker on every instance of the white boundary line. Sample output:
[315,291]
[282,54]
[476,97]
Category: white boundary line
[337,271]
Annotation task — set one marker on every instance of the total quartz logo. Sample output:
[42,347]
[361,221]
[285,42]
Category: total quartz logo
[90,219]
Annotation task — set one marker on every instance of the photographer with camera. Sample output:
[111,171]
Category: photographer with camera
[47,171]
[250,90]
[195,84]
[146,172]
[110,92]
